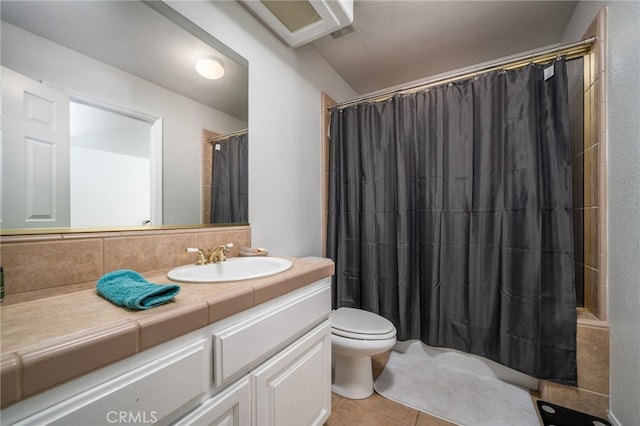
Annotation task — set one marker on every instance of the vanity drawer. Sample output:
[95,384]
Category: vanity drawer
[253,339]
[143,395]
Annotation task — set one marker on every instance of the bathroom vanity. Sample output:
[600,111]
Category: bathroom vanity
[268,364]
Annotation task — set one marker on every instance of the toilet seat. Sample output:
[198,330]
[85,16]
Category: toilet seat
[362,325]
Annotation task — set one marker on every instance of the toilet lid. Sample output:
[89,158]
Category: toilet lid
[356,323]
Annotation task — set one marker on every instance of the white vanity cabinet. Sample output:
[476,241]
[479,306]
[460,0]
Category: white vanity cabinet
[284,350]
[291,388]
[268,365]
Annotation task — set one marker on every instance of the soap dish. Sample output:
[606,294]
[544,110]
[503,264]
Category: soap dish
[250,251]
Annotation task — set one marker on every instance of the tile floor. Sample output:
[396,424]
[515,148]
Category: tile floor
[379,411]
[376,410]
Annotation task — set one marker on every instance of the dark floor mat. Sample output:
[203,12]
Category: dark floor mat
[555,415]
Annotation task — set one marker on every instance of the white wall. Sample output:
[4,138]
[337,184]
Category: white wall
[108,188]
[183,119]
[284,126]
[623,204]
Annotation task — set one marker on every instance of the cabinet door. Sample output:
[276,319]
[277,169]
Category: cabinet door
[294,387]
[232,407]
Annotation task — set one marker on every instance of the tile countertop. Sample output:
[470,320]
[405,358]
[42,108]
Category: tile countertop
[48,341]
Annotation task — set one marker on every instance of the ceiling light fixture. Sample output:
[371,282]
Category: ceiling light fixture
[210,67]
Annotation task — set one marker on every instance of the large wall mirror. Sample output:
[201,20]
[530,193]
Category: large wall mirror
[105,121]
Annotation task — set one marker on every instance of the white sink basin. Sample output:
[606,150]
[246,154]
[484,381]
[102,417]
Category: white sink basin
[233,269]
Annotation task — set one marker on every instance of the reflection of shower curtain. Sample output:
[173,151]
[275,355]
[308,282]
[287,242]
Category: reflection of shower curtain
[450,214]
[230,181]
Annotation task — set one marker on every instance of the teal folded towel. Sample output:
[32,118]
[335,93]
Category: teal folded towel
[128,288]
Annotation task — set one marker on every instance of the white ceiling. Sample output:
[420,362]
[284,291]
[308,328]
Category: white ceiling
[404,41]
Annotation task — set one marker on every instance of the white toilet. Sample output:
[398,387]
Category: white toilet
[356,336]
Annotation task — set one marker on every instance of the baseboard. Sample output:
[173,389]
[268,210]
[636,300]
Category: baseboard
[613,420]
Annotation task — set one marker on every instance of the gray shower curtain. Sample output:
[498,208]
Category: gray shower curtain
[450,215]
[230,180]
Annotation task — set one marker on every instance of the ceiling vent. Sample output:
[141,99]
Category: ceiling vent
[345,31]
[301,21]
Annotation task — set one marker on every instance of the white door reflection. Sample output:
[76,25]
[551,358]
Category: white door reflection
[112,167]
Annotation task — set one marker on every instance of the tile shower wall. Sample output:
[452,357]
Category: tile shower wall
[50,263]
[589,174]
[585,92]
[592,393]
[207,165]
[593,260]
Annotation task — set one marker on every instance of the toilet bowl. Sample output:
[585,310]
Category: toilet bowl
[356,336]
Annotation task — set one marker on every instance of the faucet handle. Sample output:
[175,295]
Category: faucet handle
[200,259]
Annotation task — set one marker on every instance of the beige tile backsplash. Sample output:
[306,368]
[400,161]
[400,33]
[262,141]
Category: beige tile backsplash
[37,265]
[42,262]
[147,253]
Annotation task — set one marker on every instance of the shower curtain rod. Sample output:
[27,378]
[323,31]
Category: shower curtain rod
[227,136]
[570,51]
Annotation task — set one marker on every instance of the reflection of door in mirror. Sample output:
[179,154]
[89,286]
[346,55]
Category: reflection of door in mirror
[111,167]
[69,163]
[35,164]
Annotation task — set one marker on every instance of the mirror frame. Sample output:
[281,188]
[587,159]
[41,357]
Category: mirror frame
[92,230]
[184,23]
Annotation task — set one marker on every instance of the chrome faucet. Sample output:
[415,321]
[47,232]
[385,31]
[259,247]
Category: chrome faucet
[213,255]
